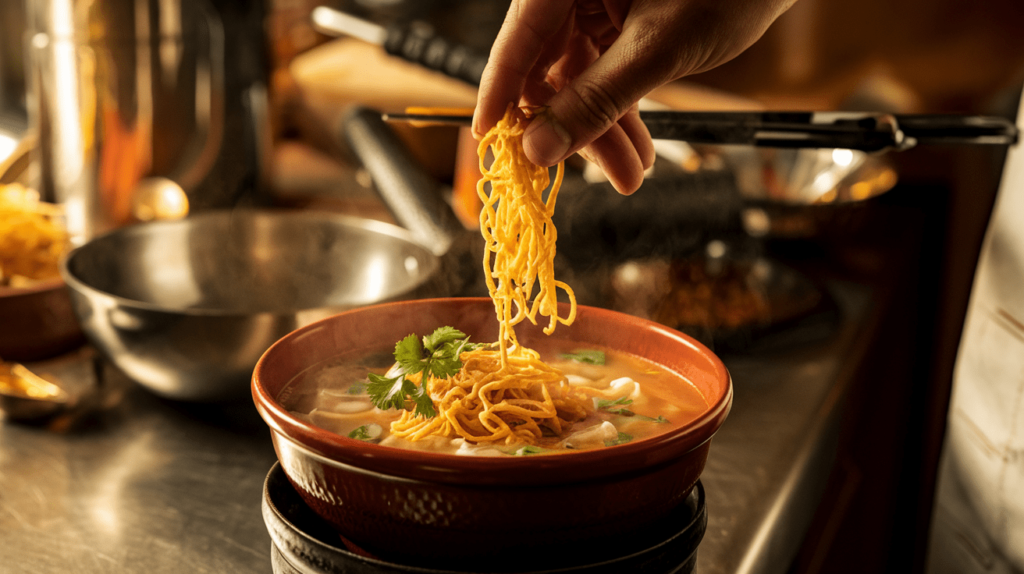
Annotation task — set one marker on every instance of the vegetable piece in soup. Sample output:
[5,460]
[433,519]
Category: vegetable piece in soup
[630,399]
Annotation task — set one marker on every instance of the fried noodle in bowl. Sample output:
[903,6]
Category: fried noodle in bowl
[32,239]
[36,318]
[408,492]
[508,394]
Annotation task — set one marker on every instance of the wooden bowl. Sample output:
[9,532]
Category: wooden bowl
[38,322]
[432,508]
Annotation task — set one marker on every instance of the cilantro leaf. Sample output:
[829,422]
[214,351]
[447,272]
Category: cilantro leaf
[368,432]
[445,362]
[606,406]
[588,356]
[440,337]
[623,438]
[424,404]
[437,355]
[387,393]
[357,388]
[409,354]
[605,403]
[392,393]
[529,450]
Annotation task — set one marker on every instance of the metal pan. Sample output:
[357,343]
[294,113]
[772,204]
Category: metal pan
[185,308]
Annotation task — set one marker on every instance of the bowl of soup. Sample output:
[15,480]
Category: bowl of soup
[659,396]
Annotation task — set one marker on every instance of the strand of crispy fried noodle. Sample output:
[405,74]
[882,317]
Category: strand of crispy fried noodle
[509,394]
[518,232]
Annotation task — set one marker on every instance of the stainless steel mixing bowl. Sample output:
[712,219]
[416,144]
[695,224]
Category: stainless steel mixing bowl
[186,308]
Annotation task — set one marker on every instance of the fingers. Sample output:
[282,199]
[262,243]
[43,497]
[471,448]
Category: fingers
[546,53]
[601,94]
[623,152]
[659,42]
[615,154]
[639,136]
[533,35]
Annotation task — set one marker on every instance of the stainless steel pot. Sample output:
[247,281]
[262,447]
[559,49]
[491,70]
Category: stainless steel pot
[186,308]
[133,98]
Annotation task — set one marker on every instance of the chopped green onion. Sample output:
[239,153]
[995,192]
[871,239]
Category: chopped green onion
[368,432]
[588,356]
[530,449]
[606,406]
[623,438]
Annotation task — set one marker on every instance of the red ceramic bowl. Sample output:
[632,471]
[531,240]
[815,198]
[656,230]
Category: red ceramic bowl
[427,507]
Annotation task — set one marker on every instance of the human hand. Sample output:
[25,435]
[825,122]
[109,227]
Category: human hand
[588,62]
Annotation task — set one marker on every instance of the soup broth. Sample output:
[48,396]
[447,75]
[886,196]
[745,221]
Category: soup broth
[632,399]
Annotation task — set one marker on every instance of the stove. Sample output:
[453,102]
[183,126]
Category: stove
[303,543]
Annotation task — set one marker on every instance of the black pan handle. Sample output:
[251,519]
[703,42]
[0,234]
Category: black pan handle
[958,130]
[417,42]
[859,131]
[414,198]
[850,130]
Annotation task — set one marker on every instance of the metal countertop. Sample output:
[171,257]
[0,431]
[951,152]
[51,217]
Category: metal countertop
[136,483]
[770,461]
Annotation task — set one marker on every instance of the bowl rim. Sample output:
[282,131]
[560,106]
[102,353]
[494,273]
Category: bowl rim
[51,284]
[384,228]
[560,468]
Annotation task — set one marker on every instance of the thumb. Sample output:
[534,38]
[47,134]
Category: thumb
[591,103]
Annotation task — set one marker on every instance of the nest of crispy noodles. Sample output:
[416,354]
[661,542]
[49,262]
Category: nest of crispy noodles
[32,237]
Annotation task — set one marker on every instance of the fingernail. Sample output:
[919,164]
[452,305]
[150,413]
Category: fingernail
[545,141]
